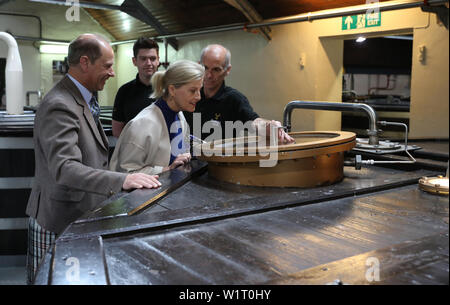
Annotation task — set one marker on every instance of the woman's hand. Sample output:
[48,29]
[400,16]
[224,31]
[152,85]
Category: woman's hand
[266,125]
[181,159]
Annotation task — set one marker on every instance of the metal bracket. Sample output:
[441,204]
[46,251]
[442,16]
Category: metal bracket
[441,12]
[247,9]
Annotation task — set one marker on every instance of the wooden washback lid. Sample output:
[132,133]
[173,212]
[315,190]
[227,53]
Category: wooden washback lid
[316,158]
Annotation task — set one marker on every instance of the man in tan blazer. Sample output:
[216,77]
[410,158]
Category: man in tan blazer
[71,149]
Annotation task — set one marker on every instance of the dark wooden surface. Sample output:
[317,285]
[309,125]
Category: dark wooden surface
[207,232]
[204,197]
[420,261]
[271,246]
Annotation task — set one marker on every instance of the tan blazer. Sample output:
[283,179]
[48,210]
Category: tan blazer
[71,159]
[144,144]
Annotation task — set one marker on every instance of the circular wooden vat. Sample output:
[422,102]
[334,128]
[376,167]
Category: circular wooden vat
[315,159]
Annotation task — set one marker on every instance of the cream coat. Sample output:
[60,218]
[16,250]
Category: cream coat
[144,144]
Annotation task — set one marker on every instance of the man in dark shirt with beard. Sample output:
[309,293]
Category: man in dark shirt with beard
[134,96]
[220,103]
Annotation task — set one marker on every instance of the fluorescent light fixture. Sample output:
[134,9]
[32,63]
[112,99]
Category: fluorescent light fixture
[360,39]
[126,25]
[53,49]
[399,37]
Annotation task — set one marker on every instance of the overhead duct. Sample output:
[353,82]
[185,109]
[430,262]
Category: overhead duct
[13,77]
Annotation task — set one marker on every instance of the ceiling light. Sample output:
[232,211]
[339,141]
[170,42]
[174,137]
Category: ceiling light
[53,48]
[360,39]
[126,26]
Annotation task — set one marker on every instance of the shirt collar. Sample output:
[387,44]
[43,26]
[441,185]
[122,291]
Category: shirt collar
[140,83]
[87,95]
[218,93]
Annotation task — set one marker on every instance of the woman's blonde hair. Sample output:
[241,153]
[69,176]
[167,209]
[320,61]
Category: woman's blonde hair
[178,74]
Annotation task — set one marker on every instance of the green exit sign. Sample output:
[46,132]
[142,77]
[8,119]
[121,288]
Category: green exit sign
[361,21]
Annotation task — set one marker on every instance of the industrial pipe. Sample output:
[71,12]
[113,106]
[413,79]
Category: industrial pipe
[37,92]
[26,15]
[13,77]
[372,131]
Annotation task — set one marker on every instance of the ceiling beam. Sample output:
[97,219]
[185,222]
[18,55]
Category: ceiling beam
[250,12]
[131,7]
[137,10]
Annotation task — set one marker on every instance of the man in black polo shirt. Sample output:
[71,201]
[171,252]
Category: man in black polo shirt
[134,96]
[220,103]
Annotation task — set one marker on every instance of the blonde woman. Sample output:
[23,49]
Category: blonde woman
[156,140]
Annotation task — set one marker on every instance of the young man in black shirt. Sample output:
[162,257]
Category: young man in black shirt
[220,103]
[134,96]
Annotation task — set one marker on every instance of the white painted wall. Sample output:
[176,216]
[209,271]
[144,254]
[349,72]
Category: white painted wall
[430,82]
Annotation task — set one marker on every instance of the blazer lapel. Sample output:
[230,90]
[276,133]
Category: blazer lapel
[103,135]
[100,136]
